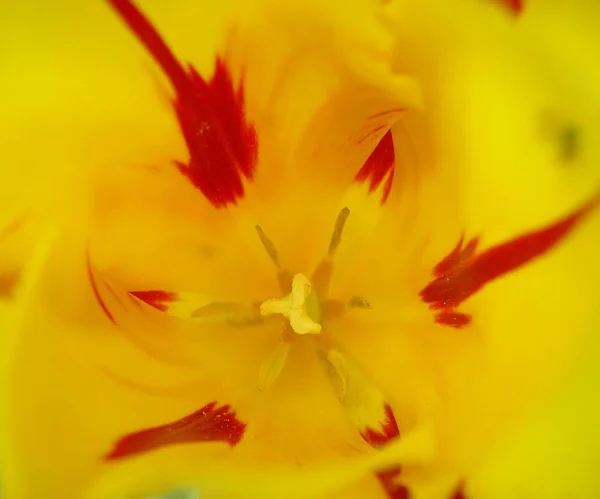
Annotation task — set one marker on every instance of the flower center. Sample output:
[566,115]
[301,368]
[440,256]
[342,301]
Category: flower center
[301,307]
[307,307]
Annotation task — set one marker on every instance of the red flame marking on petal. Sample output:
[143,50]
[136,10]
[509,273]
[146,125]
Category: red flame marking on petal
[96,290]
[389,430]
[377,438]
[388,482]
[452,318]
[208,424]
[379,165]
[221,144]
[456,256]
[460,274]
[155,298]
[515,6]
[459,493]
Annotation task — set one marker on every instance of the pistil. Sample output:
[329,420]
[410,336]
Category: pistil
[301,307]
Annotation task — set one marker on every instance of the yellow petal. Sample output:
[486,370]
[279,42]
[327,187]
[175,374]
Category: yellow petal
[69,362]
[161,471]
[554,453]
[366,406]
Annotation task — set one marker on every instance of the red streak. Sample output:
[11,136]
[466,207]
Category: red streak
[156,299]
[456,256]
[515,6]
[459,493]
[462,273]
[95,289]
[388,482]
[452,318]
[209,424]
[379,166]
[389,430]
[377,438]
[370,133]
[222,146]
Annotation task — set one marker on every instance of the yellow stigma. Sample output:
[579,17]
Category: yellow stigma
[300,306]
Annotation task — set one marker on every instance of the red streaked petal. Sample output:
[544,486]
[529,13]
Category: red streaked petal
[368,410]
[388,482]
[222,146]
[365,199]
[460,282]
[363,401]
[208,424]
[379,167]
[156,299]
[378,437]
[387,431]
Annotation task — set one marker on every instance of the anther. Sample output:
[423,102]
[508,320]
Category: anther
[358,302]
[338,228]
[268,245]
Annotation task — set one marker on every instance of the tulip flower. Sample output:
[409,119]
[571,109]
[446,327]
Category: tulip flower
[300,249]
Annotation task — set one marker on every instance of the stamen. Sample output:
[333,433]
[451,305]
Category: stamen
[338,228]
[322,275]
[272,366]
[358,302]
[569,142]
[268,245]
[300,306]
[340,369]
[235,314]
